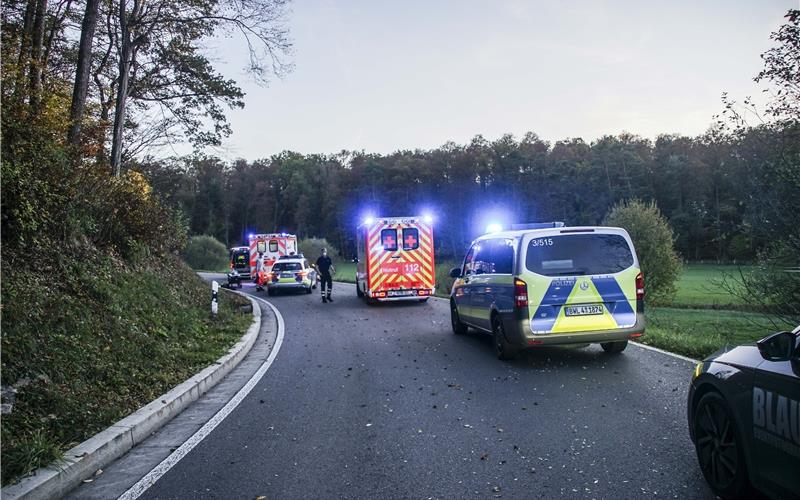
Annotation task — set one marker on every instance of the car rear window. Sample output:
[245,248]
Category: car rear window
[287,266]
[578,254]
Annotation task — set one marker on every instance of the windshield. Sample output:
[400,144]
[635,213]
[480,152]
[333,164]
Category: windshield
[287,266]
[578,254]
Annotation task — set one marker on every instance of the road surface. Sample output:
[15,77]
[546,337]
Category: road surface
[385,402]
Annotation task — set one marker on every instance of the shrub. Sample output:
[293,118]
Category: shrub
[311,248]
[206,252]
[654,241]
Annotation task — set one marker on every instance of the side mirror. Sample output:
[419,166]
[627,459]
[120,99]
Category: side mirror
[455,272]
[777,347]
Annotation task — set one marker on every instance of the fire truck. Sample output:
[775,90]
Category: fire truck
[395,259]
[272,247]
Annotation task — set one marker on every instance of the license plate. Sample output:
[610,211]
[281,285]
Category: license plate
[287,275]
[587,310]
[400,293]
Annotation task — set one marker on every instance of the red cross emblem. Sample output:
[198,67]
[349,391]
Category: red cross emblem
[411,241]
[388,241]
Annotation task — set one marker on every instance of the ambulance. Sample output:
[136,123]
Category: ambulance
[240,261]
[272,246]
[395,259]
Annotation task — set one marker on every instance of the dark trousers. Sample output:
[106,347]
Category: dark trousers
[325,284]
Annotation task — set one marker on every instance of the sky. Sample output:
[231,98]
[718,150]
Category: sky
[386,76]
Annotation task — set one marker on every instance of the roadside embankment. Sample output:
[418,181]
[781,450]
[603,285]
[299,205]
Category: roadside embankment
[88,341]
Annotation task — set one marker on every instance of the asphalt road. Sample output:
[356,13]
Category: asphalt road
[385,402]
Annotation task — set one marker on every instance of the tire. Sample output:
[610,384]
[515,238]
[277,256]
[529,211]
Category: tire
[503,349]
[423,300]
[719,448]
[614,347]
[359,293]
[459,328]
[310,289]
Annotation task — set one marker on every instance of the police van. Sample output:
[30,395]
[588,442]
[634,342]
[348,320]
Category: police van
[546,284]
[270,247]
[395,259]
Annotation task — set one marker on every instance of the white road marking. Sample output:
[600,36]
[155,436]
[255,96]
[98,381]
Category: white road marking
[154,475]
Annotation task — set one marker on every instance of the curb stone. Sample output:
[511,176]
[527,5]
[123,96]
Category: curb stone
[82,461]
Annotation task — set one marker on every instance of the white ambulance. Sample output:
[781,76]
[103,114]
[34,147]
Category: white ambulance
[395,259]
[271,247]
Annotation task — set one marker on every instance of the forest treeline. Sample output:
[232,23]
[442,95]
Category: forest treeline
[723,192]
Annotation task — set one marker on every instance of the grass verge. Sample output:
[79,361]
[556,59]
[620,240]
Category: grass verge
[699,332]
[93,339]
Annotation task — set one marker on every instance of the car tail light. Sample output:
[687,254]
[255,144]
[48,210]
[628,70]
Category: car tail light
[520,293]
[640,286]
[424,292]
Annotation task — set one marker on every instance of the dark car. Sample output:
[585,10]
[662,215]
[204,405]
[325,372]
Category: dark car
[744,418]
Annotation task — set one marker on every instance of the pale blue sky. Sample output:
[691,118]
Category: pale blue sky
[382,76]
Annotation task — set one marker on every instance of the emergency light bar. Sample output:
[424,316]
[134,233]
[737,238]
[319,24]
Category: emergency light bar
[536,225]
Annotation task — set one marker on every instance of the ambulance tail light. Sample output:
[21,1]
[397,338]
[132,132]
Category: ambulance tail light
[520,293]
[424,292]
[640,286]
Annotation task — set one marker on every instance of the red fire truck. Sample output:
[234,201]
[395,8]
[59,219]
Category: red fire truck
[271,247]
[395,259]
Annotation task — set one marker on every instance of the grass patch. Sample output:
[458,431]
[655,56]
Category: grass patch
[699,332]
[700,286]
[92,339]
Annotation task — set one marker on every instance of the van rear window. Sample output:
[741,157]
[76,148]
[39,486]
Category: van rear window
[578,254]
[241,257]
[410,238]
[389,239]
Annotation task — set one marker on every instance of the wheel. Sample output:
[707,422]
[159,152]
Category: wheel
[719,448]
[310,289]
[504,350]
[358,290]
[614,347]
[424,300]
[459,328]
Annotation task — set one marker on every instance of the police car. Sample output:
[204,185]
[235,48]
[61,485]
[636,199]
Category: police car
[744,417]
[546,284]
[291,273]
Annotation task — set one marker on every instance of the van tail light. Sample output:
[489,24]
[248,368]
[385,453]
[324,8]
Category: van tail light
[640,286]
[520,293]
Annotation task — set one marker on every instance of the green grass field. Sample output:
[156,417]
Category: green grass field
[703,285]
[703,317]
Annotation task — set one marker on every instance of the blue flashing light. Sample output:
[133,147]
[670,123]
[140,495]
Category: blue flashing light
[369,220]
[427,218]
[494,228]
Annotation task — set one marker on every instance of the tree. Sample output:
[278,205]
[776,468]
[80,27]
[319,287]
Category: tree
[653,239]
[81,87]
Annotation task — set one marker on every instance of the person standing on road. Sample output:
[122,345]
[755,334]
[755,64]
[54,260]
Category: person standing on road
[325,268]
